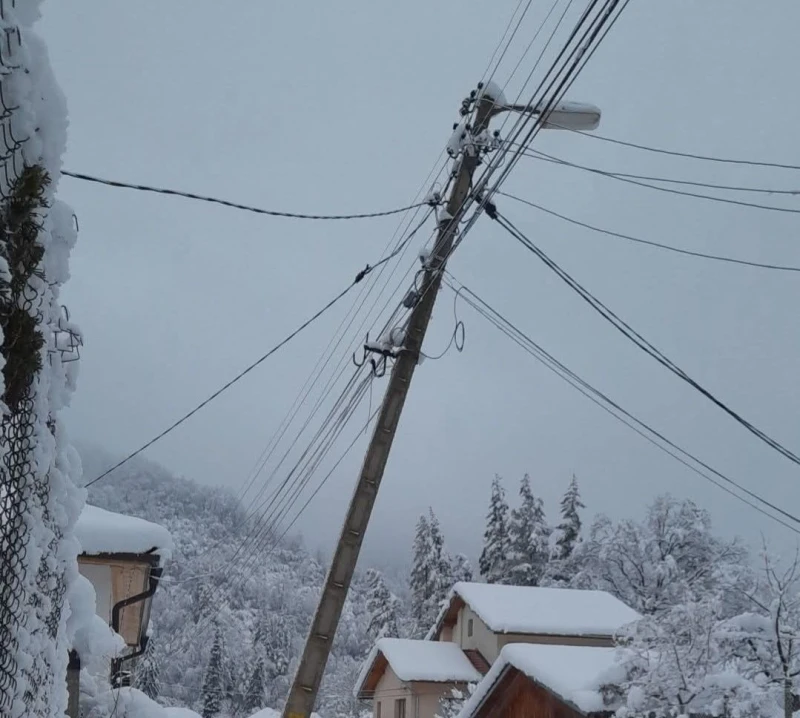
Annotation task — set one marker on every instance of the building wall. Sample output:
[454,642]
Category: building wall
[427,697]
[388,690]
[482,638]
[100,577]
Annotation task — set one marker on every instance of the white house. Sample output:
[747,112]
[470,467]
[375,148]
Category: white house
[477,625]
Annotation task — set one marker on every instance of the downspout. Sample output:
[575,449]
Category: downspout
[116,611]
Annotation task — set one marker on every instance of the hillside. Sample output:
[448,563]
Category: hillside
[257,596]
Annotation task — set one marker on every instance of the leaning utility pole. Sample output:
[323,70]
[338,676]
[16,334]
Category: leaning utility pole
[305,687]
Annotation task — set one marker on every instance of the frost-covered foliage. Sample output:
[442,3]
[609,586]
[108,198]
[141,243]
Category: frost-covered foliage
[679,662]
[529,536]
[496,542]
[431,574]
[658,562]
[451,703]
[382,607]
[147,679]
[39,503]
[262,602]
[568,532]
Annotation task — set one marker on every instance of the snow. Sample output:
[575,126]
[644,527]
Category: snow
[269,713]
[574,674]
[101,531]
[178,712]
[494,92]
[548,611]
[434,661]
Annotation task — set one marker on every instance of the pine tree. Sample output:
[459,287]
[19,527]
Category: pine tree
[461,568]
[256,696]
[420,572]
[213,683]
[381,607]
[492,562]
[441,567]
[528,538]
[430,573]
[147,673]
[568,532]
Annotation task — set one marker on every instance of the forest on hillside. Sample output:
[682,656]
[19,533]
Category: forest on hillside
[230,617]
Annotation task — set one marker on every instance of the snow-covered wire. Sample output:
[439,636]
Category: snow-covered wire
[236,205]
[658,245]
[613,408]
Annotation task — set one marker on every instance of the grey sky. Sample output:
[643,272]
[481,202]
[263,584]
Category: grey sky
[339,107]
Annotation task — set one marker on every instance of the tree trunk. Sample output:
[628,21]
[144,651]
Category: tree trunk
[788,698]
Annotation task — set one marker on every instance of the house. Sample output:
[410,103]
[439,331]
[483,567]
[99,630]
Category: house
[407,679]
[122,556]
[477,623]
[546,681]
[486,617]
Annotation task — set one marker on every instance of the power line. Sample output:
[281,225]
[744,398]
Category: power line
[626,330]
[669,190]
[689,252]
[241,374]
[675,153]
[534,154]
[604,402]
[235,205]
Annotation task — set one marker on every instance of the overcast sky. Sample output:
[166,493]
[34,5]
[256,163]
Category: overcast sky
[343,107]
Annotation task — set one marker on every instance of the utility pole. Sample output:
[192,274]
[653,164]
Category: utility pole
[305,687]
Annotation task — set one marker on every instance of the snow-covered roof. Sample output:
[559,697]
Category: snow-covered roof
[537,610]
[574,674]
[430,661]
[100,531]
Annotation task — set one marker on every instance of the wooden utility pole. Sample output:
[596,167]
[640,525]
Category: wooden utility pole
[303,694]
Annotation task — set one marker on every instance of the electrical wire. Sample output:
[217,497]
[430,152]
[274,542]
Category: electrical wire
[534,154]
[689,252]
[675,153]
[626,330]
[613,408]
[669,190]
[240,375]
[233,205]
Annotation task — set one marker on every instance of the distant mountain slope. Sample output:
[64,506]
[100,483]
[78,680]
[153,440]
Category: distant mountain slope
[257,595]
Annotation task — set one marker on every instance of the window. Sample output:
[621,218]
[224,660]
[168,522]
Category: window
[378,710]
[469,628]
[400,708]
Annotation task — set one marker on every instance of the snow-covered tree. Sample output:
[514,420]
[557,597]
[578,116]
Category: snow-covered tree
[766,640]
[255,696]
[213,681]
[659,562]
[461,568]
[676,664]
[146,678]
[493,560]
[568,532]
[451,703]
[430,573]
[381,607]
[528,539]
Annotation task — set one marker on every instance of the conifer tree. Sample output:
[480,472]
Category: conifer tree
[461,568]
[420,572]
[493,561]
[147,672]
[255,697]
[441,567]
[381,607]
[568,530]
[213,683]
[528,538]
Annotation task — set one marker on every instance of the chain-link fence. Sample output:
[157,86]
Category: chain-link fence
[31,583]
